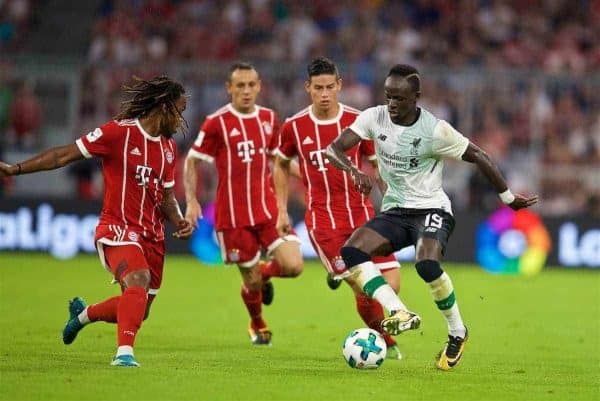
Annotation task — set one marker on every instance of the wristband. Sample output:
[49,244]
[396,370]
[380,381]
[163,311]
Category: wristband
[507,197]
[18,169]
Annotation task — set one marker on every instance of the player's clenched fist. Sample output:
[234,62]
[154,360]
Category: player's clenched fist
[5,169]
[362,182]
[193,213]
[184,229]
[521,202]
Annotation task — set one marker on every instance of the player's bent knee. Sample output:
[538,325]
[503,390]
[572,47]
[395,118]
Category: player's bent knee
[294,272]
[295,268]
[289,257]
[429,270]
[428,249]
[353,256]
[137,278]
[253,283]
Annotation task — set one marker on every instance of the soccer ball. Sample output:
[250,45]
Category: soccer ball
[364,349]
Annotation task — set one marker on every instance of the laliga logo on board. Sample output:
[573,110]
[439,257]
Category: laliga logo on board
[512,242]
[63,235]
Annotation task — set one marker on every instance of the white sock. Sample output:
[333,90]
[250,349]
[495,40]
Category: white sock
[387,297]
[375,286]
[442,291]
[83,317]
[456,326]
[125,350]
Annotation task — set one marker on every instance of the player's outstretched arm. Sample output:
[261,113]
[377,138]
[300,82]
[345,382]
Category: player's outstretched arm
[336,153]
[170,208]
[193,210]
[474,154]
[50,159]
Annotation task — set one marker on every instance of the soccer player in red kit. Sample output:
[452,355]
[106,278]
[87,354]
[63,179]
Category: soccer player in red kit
[138,163]
[334,209]
[240,138]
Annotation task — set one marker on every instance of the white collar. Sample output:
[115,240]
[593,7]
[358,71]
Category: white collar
[325,122]
[146,135]
[238,114]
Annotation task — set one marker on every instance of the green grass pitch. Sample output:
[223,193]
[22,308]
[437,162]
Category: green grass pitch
[530,338]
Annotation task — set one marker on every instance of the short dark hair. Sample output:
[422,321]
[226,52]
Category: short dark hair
[145,95]
[321,66]
[409,72]
[240,65]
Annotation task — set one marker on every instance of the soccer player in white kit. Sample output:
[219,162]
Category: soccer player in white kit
[410,145]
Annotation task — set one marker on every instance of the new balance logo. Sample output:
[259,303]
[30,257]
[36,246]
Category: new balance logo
[135,152]
[307,141]
[382,137]
[234,132]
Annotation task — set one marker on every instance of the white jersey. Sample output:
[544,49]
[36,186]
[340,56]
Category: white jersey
[411,158]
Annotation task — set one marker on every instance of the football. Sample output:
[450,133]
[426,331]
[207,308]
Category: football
[364,349]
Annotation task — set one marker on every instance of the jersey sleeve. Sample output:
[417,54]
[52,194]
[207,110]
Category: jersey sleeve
[100,142]
[367,149]
[363,124]
[274,142]
[286,148]
[448,142]
[206,144]
[169,180]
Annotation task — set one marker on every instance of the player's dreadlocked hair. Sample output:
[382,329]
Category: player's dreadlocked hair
[409,73]
[320,66]
[149,94]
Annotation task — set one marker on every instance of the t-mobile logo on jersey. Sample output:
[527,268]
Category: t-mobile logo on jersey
[143,175]
[317,159]
[246,150]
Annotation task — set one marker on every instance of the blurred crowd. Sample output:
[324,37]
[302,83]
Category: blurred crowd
[555,35]
[16,19]
[519,78]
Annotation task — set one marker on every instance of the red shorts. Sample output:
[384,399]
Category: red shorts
[116,245]
[243,245]
[328,243]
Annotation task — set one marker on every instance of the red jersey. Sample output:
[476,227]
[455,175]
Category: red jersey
[241,145]
[137,167]
[331,200]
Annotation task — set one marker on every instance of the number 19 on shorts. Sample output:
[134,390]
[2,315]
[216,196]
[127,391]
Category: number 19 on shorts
[433,222]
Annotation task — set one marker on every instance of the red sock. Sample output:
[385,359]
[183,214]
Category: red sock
[130,314]
[270,269]
[253,302]
[372,314]
[105,311]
